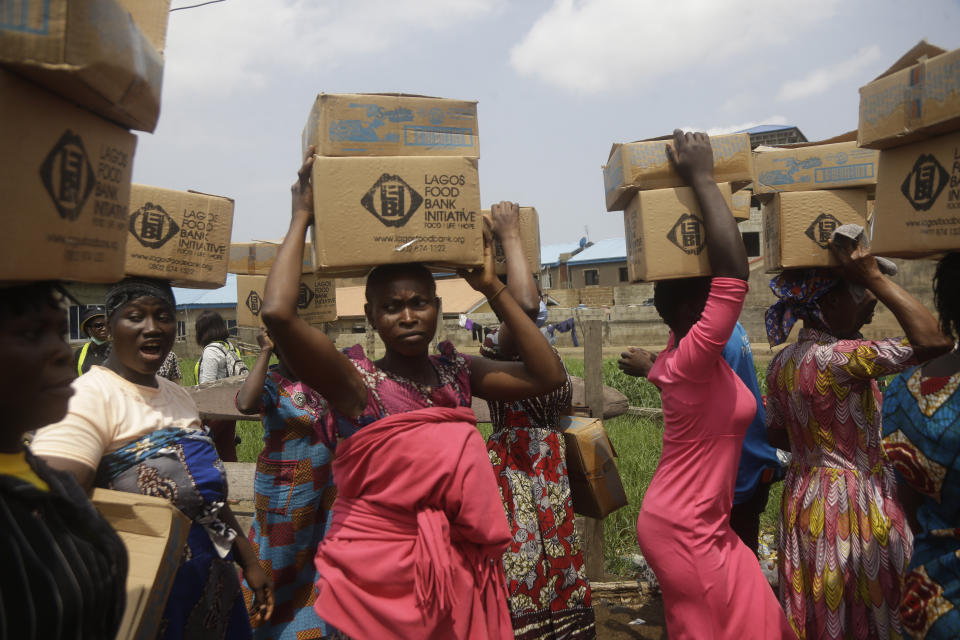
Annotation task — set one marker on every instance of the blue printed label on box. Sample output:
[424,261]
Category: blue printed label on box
[25,16]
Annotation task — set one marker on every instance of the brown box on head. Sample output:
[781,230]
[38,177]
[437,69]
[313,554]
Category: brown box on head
[811,167]
[105,55]
[256,258]
[917,209]
[595,483]
[529,237]
[665,234]
[316,304]
[181,236]
[65,182]
[391,124]
[797,226]
[637,166]
[386,210]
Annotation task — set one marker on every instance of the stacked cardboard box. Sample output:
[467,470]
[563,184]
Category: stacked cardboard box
[394,180]
[529,238]
[74,76]
[912,113]
[316,303]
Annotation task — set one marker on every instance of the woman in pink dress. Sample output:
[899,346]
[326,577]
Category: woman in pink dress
[711,582]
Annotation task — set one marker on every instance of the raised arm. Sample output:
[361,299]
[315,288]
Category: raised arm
[250,396]
[540,370]
[506,227]
[307,351]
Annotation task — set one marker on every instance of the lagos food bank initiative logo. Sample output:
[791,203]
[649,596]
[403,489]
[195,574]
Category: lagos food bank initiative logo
[68,176]
[687,234]
[254,302]
[391,200]
[304,296]
[152,226]
[821,229]
[925,182]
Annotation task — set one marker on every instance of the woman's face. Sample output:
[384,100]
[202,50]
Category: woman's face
[143,332]
[404,313]
[36,373]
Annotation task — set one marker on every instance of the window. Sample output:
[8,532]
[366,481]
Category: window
[751,241]
[232,327]
[545,282]
[73,317]
[181,330]
[591,277]
[623,274]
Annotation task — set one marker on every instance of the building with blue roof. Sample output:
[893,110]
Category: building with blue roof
[601,263]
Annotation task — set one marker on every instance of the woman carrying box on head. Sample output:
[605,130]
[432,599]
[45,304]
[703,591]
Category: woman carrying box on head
[548,590]
[128,430]
[712,584]
[418,527]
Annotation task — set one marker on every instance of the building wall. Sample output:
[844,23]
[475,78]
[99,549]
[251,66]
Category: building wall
[608,273]
[186,345]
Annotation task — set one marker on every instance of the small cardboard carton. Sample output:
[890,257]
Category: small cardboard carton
[918,199]
[918,97]
[391,124]
[830,164]
[529,237]
[644,165]
[384,210]
[665,234]
[256,258]
[154,533]
[595,484]
[740,205]
[92,52]
[797,226]
[181,236]
[65,181]
[316,304]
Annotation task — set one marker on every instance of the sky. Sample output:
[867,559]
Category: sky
[557,82]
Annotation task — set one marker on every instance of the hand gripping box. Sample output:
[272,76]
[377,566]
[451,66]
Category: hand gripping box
[797,226]
[529,238]
[154,533]
[391,124]
[918,97]
[837,163]
[102,54]
[65,181]
[384,210]
[316,303]
[595,484]
[644,165]
[665,234]
[181,236]
[256,258]
[918,199]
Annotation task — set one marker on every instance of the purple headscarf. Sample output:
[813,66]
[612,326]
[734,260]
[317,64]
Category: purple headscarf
[799,291]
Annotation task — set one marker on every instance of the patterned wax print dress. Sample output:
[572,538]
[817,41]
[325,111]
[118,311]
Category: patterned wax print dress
[843,543]
[921,427]
[549,593]
[294,492]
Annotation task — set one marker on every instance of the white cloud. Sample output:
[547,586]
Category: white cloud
[717,131]
[820,80]
[602,45]
[234,44]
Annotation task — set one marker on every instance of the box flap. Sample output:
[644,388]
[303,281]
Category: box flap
[922,49]
[849,136]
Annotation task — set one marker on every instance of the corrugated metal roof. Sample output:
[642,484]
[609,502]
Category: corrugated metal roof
[225,296]
[764,128]
[609,250]
[550,253]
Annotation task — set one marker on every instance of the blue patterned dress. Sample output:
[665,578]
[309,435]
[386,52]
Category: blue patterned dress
[294,492]
[921,428]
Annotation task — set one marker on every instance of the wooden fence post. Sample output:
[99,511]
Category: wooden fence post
[592,331]
[371,339]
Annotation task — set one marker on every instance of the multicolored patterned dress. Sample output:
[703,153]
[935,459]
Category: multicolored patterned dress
[843,542]
[921,427]
[549,593]
[294,492]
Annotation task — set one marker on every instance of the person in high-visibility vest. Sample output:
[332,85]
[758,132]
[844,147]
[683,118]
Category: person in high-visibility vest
[93,324]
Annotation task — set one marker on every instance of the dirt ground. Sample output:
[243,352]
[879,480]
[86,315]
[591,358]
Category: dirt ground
[613,620]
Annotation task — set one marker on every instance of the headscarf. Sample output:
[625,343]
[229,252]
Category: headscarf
[130,289]
[799,291]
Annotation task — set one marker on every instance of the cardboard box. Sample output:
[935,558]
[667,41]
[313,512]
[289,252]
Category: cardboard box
[740,205]
[317,302]
[384,210]
[797,226]
[181,236]
[391,124]
[65,181]
[644,165]
[154,533]
[594,478]
[918,97]
[529,237]
[91,52]
[665,234]
[256,258]
[811,167]
[918,199]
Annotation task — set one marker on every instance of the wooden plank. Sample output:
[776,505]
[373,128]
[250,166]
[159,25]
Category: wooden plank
[215,400]
[240,480]
[370,348]
[646,412]
[593,395]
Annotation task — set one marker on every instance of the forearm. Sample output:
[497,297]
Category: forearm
[283,283]
[535,352]
[251,392]
[243,552]
[727,255]
[520,281]
[919,325]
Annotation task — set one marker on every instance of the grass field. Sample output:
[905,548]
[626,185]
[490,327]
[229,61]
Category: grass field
[638,442]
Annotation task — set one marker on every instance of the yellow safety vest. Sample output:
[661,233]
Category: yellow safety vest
[83,356]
